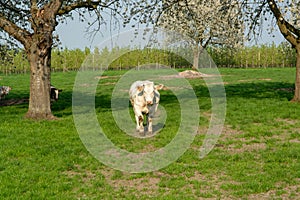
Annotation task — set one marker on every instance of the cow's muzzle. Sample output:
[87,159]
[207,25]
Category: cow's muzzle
[149,102]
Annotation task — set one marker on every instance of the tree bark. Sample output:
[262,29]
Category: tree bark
[39,56]
[297,82]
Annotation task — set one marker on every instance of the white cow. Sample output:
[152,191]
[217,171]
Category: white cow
[144,98]
[4,90]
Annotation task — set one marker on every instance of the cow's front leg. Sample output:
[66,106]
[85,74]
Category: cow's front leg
[149,123]
[139,121]
[140,126]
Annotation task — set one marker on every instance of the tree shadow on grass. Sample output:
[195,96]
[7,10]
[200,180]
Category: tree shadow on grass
[259,90]
[274,90]
[15,97]
[10,102]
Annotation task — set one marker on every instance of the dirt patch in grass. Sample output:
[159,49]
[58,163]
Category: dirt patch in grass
[235,149]
[233,142]
[149,148]
[210,185]
[265,79]
[294,141]
[229,133]
[147,185]
[287,192]
[188,74]
[251,80]
[287,121]
[108,83]
[105,77]
[86,175]
[86,85]
[289,126]
[192,74]
[143,185]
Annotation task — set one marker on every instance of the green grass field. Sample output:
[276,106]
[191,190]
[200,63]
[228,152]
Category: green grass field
[256,157]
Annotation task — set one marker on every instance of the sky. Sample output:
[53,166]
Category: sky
[73,35]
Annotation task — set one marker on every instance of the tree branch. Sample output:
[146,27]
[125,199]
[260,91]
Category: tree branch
[13,30]
[83,4]
[55,6]
[287,30]
[255,16]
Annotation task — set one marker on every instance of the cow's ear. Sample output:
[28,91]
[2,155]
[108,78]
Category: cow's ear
[159,87]
[60,90]
[140,88]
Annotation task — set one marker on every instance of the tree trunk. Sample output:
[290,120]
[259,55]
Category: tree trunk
[38,51]
[291,34]
[297,82]
[196,57]
[39,55]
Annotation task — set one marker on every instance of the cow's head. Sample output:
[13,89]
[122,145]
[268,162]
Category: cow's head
[54,93]
[149,90]
[6,89]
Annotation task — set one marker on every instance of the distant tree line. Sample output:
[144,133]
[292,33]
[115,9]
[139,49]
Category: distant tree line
[263,56]
[282,55]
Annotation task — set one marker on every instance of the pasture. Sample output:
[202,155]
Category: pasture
[256,157]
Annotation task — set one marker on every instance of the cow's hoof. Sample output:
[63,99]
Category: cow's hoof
[142,134]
